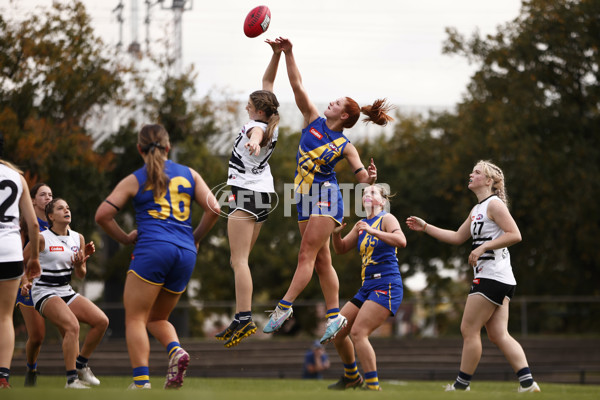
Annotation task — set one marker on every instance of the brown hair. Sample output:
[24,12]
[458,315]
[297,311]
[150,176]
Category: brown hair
[35,188]
[153,140]
[266,101]
[50,209]
[494,172]
[376,113]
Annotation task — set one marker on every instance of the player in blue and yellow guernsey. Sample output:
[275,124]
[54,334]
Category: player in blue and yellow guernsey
[41,194]
[165,249]
[318,197]
[377,238]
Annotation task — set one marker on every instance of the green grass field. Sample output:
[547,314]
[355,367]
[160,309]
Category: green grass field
[113,388]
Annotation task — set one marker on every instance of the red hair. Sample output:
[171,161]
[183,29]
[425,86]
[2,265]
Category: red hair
[376,113]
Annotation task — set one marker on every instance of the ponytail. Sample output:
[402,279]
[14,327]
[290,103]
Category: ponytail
[154,141]
[376,113]
[266,101]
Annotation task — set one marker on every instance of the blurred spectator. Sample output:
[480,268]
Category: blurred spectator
[316,361]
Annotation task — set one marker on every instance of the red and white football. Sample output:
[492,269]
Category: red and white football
[257,21]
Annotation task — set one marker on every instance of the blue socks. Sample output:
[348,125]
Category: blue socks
[172,348]
[332,313]
[141,376]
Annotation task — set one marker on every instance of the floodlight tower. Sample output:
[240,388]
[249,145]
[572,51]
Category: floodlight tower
[118,10]
[178,7]
[134,47]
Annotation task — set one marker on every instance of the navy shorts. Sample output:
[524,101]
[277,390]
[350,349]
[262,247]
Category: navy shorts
[258,204]
[324,199]
[492,290]
[163,264]
[387,293]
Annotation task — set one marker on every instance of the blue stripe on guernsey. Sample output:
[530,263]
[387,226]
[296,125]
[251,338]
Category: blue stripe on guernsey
[378,258]
[319,151]
[141,376]
[172,348]
[351,370]
[332,313]
[168,217]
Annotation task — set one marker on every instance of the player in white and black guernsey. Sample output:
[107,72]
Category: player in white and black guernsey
[248,170]
[14,202]
[492,264]
[251,184]
[493,230]
[63,252]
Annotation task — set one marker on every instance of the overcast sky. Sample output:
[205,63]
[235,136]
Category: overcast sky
[364,49]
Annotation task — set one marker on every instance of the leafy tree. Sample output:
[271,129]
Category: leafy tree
[533,108]
[54,72]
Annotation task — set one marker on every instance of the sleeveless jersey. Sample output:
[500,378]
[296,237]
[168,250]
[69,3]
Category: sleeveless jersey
[249,171]
[493,264]
[43,224]
[319,151]
[11,189]
[167,218]
[56,257]
[378,258]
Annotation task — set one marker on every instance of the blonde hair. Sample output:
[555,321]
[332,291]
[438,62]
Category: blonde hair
[266,101]
[11,166]
[494,172]
[384,191]
[154,141]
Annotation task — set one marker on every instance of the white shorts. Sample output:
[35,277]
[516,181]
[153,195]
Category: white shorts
[40,293]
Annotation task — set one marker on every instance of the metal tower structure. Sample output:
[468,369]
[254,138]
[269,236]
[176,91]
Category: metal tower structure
[134,48]
[178,7]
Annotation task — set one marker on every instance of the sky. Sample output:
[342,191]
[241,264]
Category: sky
[365,49]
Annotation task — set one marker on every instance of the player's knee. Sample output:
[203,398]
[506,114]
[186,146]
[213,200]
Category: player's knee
[102,322]
[71,328]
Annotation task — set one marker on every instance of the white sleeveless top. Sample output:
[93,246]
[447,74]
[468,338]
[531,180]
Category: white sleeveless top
[493,264]
[55,259]
[249,171]
[11,190]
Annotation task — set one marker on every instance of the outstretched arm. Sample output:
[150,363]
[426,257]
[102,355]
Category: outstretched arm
[306,107]
[444,235]
[271,71]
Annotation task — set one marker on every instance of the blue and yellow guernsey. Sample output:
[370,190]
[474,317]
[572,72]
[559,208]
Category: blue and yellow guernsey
[319,151]
[379,259]
[167,218]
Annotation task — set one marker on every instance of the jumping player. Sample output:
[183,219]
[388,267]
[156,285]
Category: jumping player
[318,197]
[165,249]
[493,230]
[377,238]
[251,184]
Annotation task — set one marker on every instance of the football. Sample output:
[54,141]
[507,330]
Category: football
[257,21]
